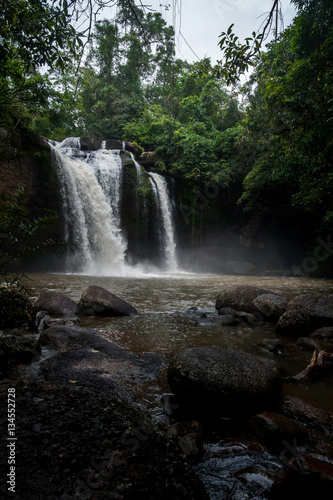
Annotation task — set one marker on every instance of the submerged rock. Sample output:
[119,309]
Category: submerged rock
[305,313]
[224,380]
[89,360]
[240,297]
[97,301]
[56,304]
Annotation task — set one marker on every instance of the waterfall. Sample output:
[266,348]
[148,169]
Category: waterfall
[88,216]
[113,210]
[160,190]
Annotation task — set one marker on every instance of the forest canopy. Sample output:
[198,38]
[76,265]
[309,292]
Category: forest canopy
[272,137]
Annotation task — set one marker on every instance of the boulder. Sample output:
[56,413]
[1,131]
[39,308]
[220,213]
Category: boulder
[240,268]
[97,301]
[305,313]
[56,304]
[224,380]
[90,143]
[148,159]
[239,297]
[133,148]
[271,429]
[271,306]
[113,144]
[306,413]
[324,334]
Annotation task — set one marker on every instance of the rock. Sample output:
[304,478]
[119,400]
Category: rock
[311,344]
[90,143]
[133,148]
[56,304]
[247,318]
[239,297]
[305,313]
[92,361]
[272,345]
[148,159]
[224,380]
[96,301]
[228,320]
[271,306]
[77,442]
[241,268]
[324,334]
[228,311]
[113,144]
[308,476]
[272,429]
[308,414]
[189,438]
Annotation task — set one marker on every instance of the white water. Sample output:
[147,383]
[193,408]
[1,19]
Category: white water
[88,215]
[160,189]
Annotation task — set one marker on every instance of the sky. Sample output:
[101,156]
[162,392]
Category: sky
[201,22]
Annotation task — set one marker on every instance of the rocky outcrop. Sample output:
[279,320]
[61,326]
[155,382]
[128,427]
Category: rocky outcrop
[148,159]
[134,149]
[304,314]
[240,297]
[224,380]
[56,304]
[113,144]
[97,301]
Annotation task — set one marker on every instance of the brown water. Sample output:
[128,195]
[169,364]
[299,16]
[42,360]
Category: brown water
[158,327]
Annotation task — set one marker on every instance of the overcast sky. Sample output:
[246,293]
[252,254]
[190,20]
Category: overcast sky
[202,21]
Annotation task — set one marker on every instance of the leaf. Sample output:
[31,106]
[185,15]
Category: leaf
[72,381]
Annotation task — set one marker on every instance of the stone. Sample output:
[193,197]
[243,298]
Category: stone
[56,304]
[271,306]
[97,301]
[223,380]
[240,268]
[308,414]
[90,143]
[228,311]
[133,148]
[148,159]
[91,361]
[324,334]
[272,429]
[113,144]
[305,313]
[228,320]
[240,297]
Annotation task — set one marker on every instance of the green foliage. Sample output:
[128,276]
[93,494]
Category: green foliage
[289,125]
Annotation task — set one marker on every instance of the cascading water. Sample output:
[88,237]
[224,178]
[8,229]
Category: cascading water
[88,215]
[160,190]
[99,210]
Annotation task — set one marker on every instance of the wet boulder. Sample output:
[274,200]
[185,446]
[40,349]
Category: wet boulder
[224,380]
[324,334]
[304,314]
[56,304]
[239,297]
[306,413]
[90,143]
[113,144]
[271,306]
[97,301]
[271,429]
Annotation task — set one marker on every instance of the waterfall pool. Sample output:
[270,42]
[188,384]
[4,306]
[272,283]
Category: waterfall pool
[162,327]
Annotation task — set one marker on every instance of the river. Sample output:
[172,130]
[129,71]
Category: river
[162,327]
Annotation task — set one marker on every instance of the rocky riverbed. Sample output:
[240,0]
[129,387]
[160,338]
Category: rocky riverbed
[82,432]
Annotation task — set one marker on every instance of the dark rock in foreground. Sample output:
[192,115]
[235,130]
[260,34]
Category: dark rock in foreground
[80,443]
[224,380]
[96,301]
[56,304]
